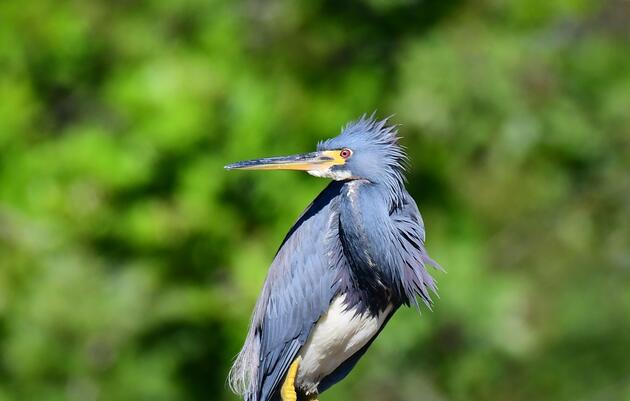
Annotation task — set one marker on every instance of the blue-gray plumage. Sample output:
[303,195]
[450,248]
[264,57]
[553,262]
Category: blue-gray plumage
[354,256]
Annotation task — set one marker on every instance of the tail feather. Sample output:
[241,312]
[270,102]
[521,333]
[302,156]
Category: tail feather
[242,378]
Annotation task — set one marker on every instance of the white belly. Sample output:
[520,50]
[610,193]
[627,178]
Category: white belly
[336,337]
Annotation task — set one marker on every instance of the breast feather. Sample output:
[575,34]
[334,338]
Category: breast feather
[338,335]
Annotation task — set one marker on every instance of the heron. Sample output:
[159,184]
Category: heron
[351,260]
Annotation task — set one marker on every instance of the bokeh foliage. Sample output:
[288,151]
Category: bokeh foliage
[130,261]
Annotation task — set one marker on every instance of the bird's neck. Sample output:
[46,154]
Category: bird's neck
[362,214]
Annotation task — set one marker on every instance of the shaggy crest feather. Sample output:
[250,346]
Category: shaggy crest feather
[378,153]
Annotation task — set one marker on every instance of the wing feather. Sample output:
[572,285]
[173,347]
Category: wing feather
[412,255]
[298,290]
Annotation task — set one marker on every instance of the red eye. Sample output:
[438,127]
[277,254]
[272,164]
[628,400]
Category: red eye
[345,153]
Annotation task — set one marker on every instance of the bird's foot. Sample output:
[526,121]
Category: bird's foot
[287,391]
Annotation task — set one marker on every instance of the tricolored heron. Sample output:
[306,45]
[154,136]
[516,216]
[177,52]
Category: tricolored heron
[350,261]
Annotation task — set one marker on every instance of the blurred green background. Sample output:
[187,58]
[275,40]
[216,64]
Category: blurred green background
[130,260]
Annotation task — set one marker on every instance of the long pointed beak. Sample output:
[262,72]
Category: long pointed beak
[306,161]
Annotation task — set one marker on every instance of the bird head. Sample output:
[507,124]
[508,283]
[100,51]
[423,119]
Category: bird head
[365,149]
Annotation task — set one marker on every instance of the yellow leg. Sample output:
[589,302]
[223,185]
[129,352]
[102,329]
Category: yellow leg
[287,391]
